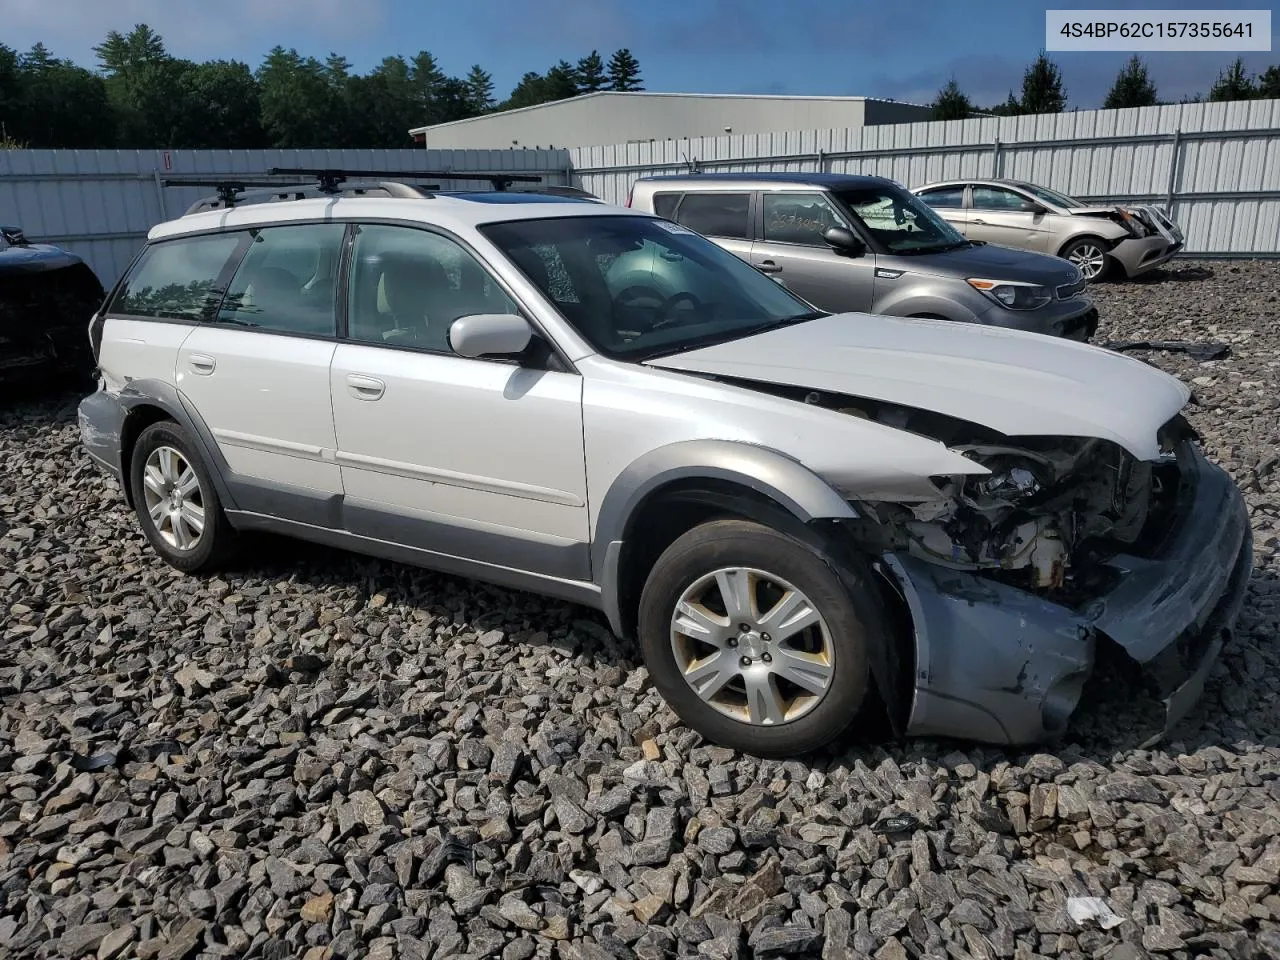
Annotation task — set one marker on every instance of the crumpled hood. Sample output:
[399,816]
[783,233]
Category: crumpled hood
[1020,384]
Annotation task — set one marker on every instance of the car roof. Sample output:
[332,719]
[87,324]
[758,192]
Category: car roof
[961,181]
[452,211]
[830,180]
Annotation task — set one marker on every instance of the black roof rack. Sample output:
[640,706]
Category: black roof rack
[331,179]
[299,183]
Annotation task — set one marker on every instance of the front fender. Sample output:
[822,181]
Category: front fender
[784,480]
[914,304]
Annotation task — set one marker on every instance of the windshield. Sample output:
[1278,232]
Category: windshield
[637,287]
[1052,196]
[900,221]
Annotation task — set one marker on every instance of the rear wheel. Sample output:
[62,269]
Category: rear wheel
[754,640]
[1089,254]
[175,501]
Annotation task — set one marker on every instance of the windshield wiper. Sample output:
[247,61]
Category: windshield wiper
[728,335]
[936,248]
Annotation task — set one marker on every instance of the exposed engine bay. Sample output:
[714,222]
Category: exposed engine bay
[1045,518]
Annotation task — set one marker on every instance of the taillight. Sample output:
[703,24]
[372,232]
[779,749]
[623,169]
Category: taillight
[630,190]
[96,324]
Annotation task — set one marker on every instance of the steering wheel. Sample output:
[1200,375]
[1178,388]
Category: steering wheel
[666,313]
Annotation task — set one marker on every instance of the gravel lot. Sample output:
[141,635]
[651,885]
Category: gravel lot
[322,755]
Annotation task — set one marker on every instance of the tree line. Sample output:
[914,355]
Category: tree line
[1043,91]
[140,96]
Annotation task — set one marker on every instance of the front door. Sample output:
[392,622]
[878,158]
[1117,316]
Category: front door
[259,374]
[996,216]
[480,459]
[792,250]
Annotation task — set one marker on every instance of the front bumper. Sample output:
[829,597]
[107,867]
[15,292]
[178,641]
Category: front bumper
[1137,256]
[1001,665]
[1075,318]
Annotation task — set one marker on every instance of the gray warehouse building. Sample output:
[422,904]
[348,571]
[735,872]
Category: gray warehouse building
[607,117]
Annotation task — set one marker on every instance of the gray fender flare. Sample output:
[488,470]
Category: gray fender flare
[781,478]
[910,305]
[796,489]
[165,396]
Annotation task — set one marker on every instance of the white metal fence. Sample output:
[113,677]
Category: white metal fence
[101,203]
[1215,166]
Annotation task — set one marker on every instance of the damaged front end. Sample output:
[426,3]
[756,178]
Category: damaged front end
[47,296]
[1014,577]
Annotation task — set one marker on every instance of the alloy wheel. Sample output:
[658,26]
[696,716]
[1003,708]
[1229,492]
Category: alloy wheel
[1089,258]
[173,497]
[752,646]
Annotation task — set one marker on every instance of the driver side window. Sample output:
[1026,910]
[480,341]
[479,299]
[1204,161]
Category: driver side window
[799,218]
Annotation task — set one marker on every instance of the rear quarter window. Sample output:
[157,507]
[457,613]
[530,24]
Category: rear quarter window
[175,279]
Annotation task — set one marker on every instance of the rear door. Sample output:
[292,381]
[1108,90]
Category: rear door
[996,216]
[259,373]
[949,202]
[791,249]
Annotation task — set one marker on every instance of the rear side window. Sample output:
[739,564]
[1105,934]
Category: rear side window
[176,279]
[664,205]
[716,214]
[945,198]
[287,280]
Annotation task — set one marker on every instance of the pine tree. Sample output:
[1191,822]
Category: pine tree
[1269,84]
[624,71]
[951,103]
[1234,84]
[590,73]
[479,90]
[1133,87]
[1042,90]
[560,83]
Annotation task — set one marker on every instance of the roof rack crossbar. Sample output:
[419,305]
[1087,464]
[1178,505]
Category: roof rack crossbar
[331,178]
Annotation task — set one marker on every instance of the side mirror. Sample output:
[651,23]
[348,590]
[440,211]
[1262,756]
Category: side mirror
[490,335]
[844,242]
[1030,206]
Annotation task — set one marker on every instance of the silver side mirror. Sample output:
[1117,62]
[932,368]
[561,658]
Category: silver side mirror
[490,335]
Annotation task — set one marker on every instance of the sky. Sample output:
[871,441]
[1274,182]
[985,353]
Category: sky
[904,50]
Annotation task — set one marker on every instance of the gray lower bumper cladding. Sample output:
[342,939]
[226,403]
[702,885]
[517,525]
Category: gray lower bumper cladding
[1001,665]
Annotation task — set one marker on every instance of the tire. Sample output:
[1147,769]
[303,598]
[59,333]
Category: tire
[1077,251]
[797,719]
[214,542]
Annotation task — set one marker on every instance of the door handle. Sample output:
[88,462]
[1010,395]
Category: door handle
[768,266]
[201,364]
[365,388]
[983,222]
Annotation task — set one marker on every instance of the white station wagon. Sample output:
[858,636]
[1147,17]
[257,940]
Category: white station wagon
[800,517]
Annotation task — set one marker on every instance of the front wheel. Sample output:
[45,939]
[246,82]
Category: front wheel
[1089,254]
[176,503]
[754,640]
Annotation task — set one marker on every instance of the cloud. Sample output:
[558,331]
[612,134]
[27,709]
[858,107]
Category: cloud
[197,29]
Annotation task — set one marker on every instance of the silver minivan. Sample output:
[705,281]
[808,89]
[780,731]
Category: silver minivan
[867,244]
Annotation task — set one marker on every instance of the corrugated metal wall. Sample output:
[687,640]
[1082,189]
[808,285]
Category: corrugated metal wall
[101,203]
[1219,164]
[1215,164]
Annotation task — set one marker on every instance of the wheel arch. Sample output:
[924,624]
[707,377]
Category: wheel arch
[670,490]
[150,401]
